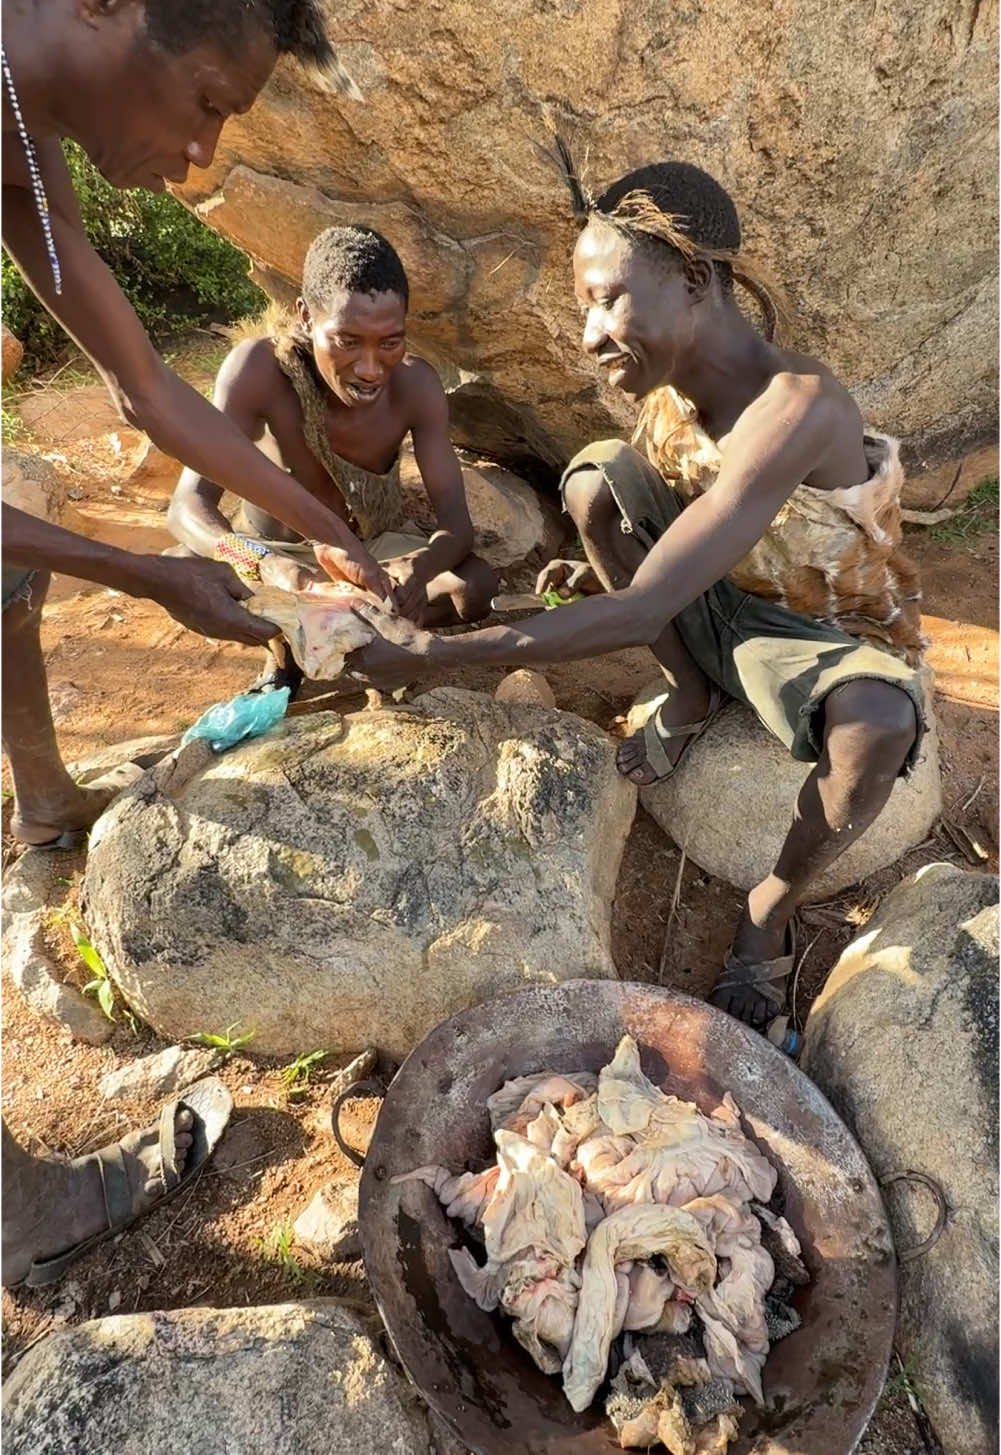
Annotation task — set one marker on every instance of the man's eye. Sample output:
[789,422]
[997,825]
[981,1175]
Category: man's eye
[344,343]
[391,343]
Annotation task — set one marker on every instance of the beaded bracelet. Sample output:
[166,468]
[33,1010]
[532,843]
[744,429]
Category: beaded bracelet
[243,554]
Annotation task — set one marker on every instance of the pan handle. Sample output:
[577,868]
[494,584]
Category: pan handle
[907,1255]
[370,1087]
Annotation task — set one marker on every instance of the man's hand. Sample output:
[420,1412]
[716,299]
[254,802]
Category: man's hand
[409,577]
[203,596]
[568,578]
[398,655]
[357,568]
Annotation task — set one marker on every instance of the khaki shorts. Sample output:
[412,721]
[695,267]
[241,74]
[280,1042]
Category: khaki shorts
[781,664]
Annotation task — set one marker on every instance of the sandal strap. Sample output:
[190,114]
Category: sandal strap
[114,1184]
[763,975]
[655,735]
[170,1175]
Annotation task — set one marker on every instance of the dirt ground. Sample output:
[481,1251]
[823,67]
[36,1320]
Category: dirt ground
[120,668]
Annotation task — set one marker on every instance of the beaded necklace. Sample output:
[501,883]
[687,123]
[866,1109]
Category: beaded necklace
[34,171]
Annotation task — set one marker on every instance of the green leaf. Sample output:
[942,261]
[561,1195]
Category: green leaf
[106,999]
[88,954]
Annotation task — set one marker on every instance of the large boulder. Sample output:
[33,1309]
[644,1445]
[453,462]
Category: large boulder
[347,882]
[904,1041]
[850,136]
[512,522]
[730,803]
[288,1379]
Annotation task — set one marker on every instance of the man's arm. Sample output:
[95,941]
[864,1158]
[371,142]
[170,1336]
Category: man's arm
[779,440]
[97,315]
[452,542]
[194,516]
[202,595]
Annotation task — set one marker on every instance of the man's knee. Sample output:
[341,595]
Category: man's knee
[479,585]
[24,612]
[587,496]
[879,719]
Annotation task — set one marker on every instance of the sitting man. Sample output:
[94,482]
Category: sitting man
[338,395]
[751,542]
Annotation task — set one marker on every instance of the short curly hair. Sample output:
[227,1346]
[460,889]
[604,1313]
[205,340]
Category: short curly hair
[676,206]
[355,260]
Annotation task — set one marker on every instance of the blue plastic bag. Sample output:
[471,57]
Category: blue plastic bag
[247,715]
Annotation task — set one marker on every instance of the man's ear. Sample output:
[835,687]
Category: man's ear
[305,317]
[698,277]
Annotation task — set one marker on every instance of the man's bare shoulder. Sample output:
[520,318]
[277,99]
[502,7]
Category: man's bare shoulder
[807,385]
[418,384]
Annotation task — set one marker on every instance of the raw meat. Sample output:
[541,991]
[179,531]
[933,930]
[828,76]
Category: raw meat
[668,1207]
[633,1232]
[319,625]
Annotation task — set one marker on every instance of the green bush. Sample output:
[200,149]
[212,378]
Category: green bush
[176,272]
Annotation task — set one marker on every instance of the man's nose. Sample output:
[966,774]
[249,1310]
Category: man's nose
[201,150]
[369,368]
[595,332]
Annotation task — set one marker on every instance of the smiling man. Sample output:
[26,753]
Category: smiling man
[335,395]
[752,542]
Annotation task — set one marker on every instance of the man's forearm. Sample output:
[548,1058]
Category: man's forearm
[588,628]
[196,523]
[188,427]
[30,542]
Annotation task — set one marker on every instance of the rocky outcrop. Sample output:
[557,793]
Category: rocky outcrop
[852,139]
[289,1379]
[903,1039]
[730,803]
[349,882]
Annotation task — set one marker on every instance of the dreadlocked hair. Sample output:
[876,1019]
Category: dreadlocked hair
[295,27]
[679,206]
[353,259]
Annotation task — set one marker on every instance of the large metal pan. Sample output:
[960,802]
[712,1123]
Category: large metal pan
[821,1383]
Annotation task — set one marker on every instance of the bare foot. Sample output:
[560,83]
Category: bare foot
[676,710]
[51,1204]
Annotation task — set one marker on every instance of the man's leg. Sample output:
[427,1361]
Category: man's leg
[869,730]
[461,596]
[50,1203]
[47,802]
[615,557]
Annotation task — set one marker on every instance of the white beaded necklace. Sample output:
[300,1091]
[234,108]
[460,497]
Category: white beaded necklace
[34,171]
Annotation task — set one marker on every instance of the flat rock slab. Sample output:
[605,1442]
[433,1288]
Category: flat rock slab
[903,1040]
[290,1379]
[165,1072]
[352,882]
[730,803]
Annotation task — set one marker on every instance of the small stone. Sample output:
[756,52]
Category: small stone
[328,1227]
[527,688]
[114,1299]
[363,1065]
[158,1075]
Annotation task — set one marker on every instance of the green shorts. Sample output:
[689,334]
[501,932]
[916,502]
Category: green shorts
[781,664]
